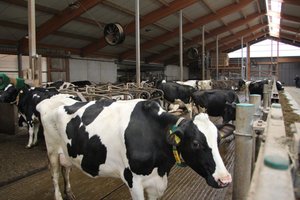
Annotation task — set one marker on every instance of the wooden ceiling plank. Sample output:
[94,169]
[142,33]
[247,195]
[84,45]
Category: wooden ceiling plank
[190,26]
[59,20]
[246,40]
[150,18]
[213,33]
[64,17]
[239,34]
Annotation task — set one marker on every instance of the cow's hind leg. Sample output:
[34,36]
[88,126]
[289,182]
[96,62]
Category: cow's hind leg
[55,170]
[66,174]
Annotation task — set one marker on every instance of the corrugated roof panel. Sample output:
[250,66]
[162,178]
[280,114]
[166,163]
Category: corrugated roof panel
[172,42]
[290,10]
[214,24]
[289,32]
[107,15]
[55,4]
[289,23]
[146,6]
[216,5]
[7,33]
[251,8]
[240,28]
[82,29]
[232,17]
[20,15]
[196,10]
[254,22]
[159,48]
[64,41]
[171,21]
[225,34]
[113,49]
[192,34]
[152,31]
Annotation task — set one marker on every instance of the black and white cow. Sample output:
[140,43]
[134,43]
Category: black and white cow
[197,84]
[26,99]
[174,92]
[131,140]
[60,85]
[217,103]
[257,87]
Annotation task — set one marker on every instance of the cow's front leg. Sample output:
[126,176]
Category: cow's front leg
[31,132]
[137,191]
[35,133]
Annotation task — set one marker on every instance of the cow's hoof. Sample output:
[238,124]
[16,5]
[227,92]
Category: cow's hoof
[28,147]
[70,196]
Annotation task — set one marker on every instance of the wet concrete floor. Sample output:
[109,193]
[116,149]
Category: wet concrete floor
[183,184]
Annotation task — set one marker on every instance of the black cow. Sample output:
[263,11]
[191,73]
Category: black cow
[217,103]
[257,87]
[133,140]
[27,99]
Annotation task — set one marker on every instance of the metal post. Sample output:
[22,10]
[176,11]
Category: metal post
[203,53]
[266,96]
[137,42]
[243,150]
[242,60]
[180,46]
[255,99]
[217,58]
[31,36]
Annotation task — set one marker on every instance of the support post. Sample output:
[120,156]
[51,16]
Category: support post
[242,59]
[31,38]
[203,53]
[137,42]
[217,57]
[180,46]
[243,150]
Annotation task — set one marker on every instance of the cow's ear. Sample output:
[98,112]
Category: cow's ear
[174,136]
[225,130]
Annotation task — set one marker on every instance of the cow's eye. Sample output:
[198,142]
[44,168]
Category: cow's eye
[196,145]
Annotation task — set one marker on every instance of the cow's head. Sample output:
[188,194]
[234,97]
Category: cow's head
[199,148]
[229,112]
[9,95]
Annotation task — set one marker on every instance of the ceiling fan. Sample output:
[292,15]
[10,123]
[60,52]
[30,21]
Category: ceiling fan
[114,34]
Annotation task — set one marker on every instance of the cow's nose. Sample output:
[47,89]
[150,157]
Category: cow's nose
[224,181]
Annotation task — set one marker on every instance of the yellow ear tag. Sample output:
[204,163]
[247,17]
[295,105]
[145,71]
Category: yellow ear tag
[177,139]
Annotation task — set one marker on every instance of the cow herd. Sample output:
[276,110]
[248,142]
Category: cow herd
[133,139]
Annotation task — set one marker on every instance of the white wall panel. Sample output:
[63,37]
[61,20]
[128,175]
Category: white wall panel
[173,72]
[94,71]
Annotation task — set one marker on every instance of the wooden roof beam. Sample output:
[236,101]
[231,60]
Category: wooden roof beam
[190,26]
[213,33]
[246,40]
[61,19]
[292,2]
[150,18]
[239,34]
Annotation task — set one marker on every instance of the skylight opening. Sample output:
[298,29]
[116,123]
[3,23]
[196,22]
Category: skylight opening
[273,12]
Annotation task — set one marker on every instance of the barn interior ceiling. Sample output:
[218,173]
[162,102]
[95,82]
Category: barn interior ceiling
[69,28]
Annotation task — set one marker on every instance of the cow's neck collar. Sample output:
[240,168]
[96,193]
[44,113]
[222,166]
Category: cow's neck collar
[178,158]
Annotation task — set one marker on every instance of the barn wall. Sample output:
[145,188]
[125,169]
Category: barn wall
[93,70]
[9,65]
[172,72]
[287,73]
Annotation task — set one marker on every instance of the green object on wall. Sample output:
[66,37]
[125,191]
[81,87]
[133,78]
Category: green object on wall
[4,81]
